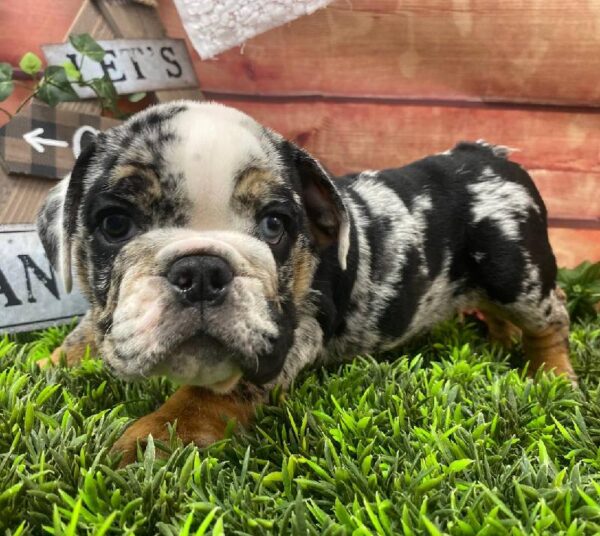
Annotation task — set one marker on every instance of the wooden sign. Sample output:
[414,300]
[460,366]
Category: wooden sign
[132,64]
[43,141]
[31,293]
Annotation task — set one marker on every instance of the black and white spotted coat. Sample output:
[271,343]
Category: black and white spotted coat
[460,229]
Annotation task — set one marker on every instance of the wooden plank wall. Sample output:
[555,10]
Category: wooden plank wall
[375,83]
[369,84]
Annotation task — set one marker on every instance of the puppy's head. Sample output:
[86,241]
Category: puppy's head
[195,233]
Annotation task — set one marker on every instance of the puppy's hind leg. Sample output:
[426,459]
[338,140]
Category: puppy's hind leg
[75,344]
[546,339]
[544,325]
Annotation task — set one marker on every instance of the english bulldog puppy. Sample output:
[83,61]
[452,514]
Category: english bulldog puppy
[216,252]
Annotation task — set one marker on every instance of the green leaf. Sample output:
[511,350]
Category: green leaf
[270,478]
[29,417]
[137,97]
[206,522]
[72,527]
[430,483]
[86,45]
[431,528]
[582,287]
[106,525]
[73,73]
[105,89]
[20,529]
[6,83]
[10,492]
[30,63]
[185,531]
[459,465]
[218,529]
[55,87]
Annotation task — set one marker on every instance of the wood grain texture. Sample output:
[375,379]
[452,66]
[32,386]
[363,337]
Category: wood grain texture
[559,149]
[472,50]
[131,20]
[27,24]
[22,197]
[574,246]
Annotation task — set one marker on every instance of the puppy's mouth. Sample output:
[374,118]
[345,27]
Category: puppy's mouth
[201,360]
[153,333]
[197,359]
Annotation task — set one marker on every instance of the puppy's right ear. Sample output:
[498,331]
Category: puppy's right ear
[57,219]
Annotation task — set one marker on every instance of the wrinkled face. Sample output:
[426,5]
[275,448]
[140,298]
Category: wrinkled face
[195,233]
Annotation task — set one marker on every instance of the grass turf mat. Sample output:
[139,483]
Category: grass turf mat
[445,437]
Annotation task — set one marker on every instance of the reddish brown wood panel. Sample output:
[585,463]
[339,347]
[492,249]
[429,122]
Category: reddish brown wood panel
[560,149]
[27,24]
[574,246]
[514,50]
[570,194]
[24,26]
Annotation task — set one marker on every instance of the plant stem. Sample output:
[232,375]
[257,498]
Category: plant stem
[20,107]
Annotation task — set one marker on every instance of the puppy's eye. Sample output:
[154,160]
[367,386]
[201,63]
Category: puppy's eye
[271,228]
[117,227]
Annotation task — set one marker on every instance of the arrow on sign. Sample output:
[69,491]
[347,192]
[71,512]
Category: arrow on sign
[31,143]
[33,138]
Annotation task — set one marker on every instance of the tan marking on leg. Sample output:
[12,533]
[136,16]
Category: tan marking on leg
[201,416]
[544,347]
[75,344]
[549,349]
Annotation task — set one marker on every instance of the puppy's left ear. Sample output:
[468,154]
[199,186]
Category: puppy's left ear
[57,219]
[327,213]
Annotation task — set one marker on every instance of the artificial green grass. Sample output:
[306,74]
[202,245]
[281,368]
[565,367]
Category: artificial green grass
[445,438]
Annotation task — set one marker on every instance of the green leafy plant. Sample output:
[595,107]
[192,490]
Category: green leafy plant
[582,286]
[6,82]
[58,83]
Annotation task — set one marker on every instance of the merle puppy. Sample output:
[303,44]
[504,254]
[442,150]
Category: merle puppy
[216,252]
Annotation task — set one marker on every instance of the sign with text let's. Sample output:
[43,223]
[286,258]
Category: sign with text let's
[132,64]
[31,293]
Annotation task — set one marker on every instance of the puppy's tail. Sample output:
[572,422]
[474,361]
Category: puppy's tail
[500,151]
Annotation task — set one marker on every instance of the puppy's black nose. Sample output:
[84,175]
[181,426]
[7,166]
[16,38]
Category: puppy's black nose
[201,278]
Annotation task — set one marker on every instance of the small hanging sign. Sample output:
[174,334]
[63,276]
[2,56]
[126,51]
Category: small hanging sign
[133,65]
[43,141]
[31,293]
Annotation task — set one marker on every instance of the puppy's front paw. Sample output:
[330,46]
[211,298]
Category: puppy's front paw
[201,415]
[75,345]
[72,355]
[156,425]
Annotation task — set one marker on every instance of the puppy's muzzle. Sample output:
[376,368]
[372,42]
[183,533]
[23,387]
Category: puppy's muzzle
[200,279]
